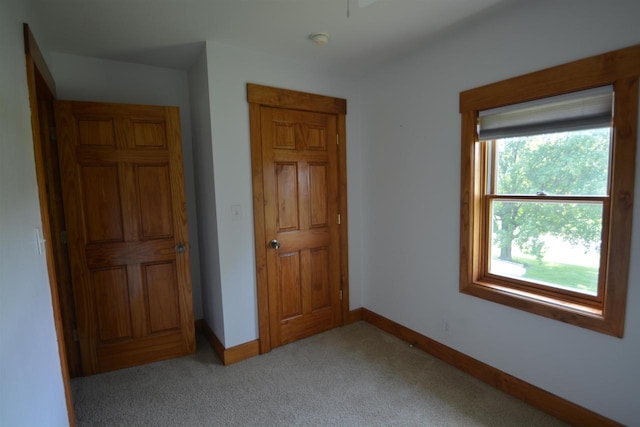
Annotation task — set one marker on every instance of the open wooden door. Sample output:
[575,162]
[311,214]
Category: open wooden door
[125,208]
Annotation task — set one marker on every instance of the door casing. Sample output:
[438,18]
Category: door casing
[41,86]
[264,96]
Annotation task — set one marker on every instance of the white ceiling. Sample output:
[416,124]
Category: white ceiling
[170,32]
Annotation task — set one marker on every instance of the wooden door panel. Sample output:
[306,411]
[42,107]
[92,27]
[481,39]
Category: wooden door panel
[117,253]
[88,155]
[304,326]
[111,293]
[315,137]
[320,284]
[97,132]
[301,185]
[102,208]
[314,237]
[318,197]
[149,134]
[140,351]
[303,129]
[162,296]
[125,203]
[154,190]
[290,285]
[287,196]
[284,135]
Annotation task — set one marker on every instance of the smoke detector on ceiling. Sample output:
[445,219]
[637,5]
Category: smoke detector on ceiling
[319,39]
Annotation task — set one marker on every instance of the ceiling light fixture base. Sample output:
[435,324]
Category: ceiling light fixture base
[319,39]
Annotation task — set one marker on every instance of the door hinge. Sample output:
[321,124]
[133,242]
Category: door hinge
[339,219]
[74,335]
[338,138]
[340,294]
[63,237]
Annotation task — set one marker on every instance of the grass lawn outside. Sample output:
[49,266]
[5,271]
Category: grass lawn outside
[575,277]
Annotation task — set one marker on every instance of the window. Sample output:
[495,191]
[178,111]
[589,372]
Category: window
[548,165]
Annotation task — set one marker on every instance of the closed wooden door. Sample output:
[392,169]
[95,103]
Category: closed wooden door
[300,176]
[121,168]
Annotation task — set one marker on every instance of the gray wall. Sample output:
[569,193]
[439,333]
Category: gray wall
[206,195]
[229,69]
[411,167]
[31,390]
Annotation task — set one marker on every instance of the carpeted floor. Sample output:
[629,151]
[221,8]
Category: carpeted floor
[356,375]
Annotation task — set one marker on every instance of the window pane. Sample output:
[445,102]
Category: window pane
[565,163]
[550,243]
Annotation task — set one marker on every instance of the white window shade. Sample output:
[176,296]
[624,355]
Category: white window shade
[587,109]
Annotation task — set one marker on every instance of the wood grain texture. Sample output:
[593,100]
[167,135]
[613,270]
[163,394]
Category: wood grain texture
[149,134]
[241,352]
[534,396]
[283,98]
[161,291]
[315,139]
[36,60]
[213,340]
[41,88]
[126,212]
[259,229]
[94,132]
[318,197]
[605,313]
[344,215]
[103,211]
[289,295]
[111,288]
[284,135]
[181,233]
[300,185]
[58,230]
[469,203]
[154,195]
[232,355]
[355,316]
[286,195]
[622,193]
[320,286]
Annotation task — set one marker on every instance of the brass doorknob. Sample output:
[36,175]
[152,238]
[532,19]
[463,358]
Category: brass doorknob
[274,244]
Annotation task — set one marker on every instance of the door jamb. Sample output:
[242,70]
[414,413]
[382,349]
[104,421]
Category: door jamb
[257,97]
[36,64]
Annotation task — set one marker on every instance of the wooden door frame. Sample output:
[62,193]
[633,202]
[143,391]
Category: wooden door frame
[264,96]
[37,69]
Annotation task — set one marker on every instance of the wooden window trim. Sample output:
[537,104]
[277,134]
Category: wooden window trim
[620,68]
[591,303]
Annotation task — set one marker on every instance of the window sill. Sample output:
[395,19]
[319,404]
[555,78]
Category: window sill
[576,314]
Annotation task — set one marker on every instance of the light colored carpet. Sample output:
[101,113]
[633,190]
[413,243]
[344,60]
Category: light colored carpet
[356,375]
